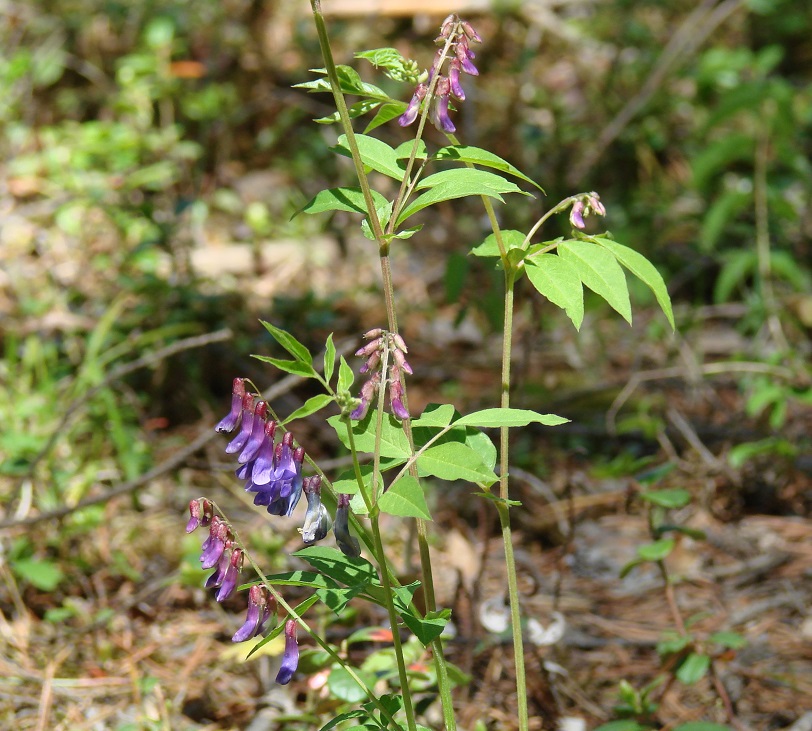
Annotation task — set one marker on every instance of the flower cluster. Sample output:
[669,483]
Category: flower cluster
[455,37]
[590,203]
[373,351]
[271,470]
[219,552]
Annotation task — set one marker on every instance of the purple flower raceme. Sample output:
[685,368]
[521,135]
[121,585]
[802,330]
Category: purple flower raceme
[380,342]
[290,658]
[458,34]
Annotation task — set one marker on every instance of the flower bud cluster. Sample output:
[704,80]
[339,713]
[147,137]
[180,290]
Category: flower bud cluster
[586,204]
[218,551]
[457,35]
[380,342]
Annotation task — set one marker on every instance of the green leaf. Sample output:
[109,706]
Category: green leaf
[673,643]
[404,150]
[298,578]
[623,725]
[344,569]
[702,726]
[375,153]
[457,183]
[405,498]
[343,686]
[289,366]
[656,551]
[349,82]
[329,358]
[338,598]
[598,269]
[558,280]
[455,461]
[438,415]
[348,483]
[341,717]
[643,269]
[300,610]
[629,567]
[675,498]
[481,443]
[44,575]
[511,238]
[393,441]
[356,110]
[345,375]
[693,668]
[311,406]
[733,640]
[289,343]
[478,156]
[429,627]
[342,199]
[508,417]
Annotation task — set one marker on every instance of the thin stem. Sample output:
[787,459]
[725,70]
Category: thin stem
[393,622]
[503,507]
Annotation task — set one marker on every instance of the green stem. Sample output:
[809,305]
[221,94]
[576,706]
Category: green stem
[504,509]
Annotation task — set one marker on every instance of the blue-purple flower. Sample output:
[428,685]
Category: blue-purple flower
[317,522]
[290,658]
[200,513]
[260,605]
[341,528]
[229,422]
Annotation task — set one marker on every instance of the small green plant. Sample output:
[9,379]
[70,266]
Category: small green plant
[687,656]
[397,455]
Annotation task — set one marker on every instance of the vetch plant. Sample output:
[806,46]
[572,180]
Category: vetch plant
[393,449]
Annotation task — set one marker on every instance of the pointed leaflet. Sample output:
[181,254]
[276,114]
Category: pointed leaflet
[347,570]
[385,114]
[457,183]
[405,499]
[555,278]
[342,199]
[356,110]
[311,406]
[478,156]
[375,153]
[393,440]
[289,343]
[329,358]
[509,417]
[511,238]
[642,268]
[296,367]
[455,461]
[598,269]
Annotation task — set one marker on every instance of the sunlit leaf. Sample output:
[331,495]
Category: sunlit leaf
[405,499]
[558,280]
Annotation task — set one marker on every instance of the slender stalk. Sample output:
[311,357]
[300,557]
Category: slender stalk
[503,507]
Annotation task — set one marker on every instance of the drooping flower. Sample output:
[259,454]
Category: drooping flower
[439,109]
[317,521]
[260,604]
[236,444]
[229,422]
[215,544]
[255,439]
[577,214]
[341,528]
[200,512]
[412,110]
[231,575]
[290,658]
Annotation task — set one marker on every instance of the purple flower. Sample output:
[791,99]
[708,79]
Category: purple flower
[236,444]
[257,433]
[368,392]
[577,214]
[396,394]
[288,484]
[200,512]
[216,579]
[341,529]
[593,202]
[263,464]
[227,423]
[215,544]
[290,658]
[259,609]
[317,521]
[230,576]
[454,80]
[439,108]
[409,116]
[464,55]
